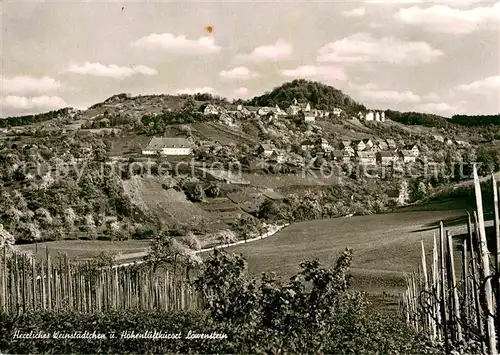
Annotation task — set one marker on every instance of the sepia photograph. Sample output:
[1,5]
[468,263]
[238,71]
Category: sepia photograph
[250,177]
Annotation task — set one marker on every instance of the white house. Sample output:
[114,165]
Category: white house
[308,117]
[323,143]
[359,145]
[266,149]
[413,148]
[366,158]
[209,109]
[438,138]
[262,111]
[293,110]
[226,119]
[168,146]
[337,111]
[407,156]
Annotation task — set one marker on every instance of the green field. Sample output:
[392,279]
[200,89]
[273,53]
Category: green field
[82,249]
[385,246]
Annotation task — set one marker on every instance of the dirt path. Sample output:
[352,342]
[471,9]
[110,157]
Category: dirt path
[136,258]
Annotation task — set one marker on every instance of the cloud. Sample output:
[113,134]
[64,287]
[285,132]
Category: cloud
[241,73]
[192,91]
[358,12]
[441,108]
[317,72]
[431,97]
[390,96]
[110,71]
[486,86]
[241,92]
[28,85]
[29,105]
[274,52]
[364,48]
[169,43]
[441,18]
[410,2]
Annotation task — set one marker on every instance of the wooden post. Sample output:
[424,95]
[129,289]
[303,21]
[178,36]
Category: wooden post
[436,314]
[465,311]
[475,276]
[444,318]
[428,317]
[4,280]
[33,278]
[485,263]
[453,285]
[49,276]
[496,221]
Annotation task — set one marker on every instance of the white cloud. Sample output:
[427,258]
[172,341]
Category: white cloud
[167,42]
[390,96]
[110,71]
[409,2]
[317,72]
[442,18]
[273,52]
[241,92]
[431,97]
[241,73]
[192,91]
[358,12]
[441,108]
[28,105]
[27,85]
[364,48]
[487,86]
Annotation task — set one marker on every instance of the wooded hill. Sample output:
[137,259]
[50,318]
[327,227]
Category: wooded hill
[320,96]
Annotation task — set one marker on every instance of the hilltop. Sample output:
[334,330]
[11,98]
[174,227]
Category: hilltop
[321,96]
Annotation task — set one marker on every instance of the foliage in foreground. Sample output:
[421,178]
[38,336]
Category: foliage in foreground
[311,313]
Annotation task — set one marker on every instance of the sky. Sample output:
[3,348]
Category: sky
[435,56]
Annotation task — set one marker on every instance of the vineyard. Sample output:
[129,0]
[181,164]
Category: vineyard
[28,284]
[457,303]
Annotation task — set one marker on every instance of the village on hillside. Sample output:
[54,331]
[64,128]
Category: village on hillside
[367,151]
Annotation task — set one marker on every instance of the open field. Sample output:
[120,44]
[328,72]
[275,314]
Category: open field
[385,246]
[82,249]
[223,134]
[289,180]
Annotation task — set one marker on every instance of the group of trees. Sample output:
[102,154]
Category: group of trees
[476,120]
[196,191]
[313,312]
[321,96]
[47,194]
[32,119]
[336,201]
[156,124]
[417,118]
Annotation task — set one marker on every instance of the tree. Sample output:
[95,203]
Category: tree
[246,227]
[166,250]
[418,190]
[6,239]
[212,191]
[195,192]
[269,210]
